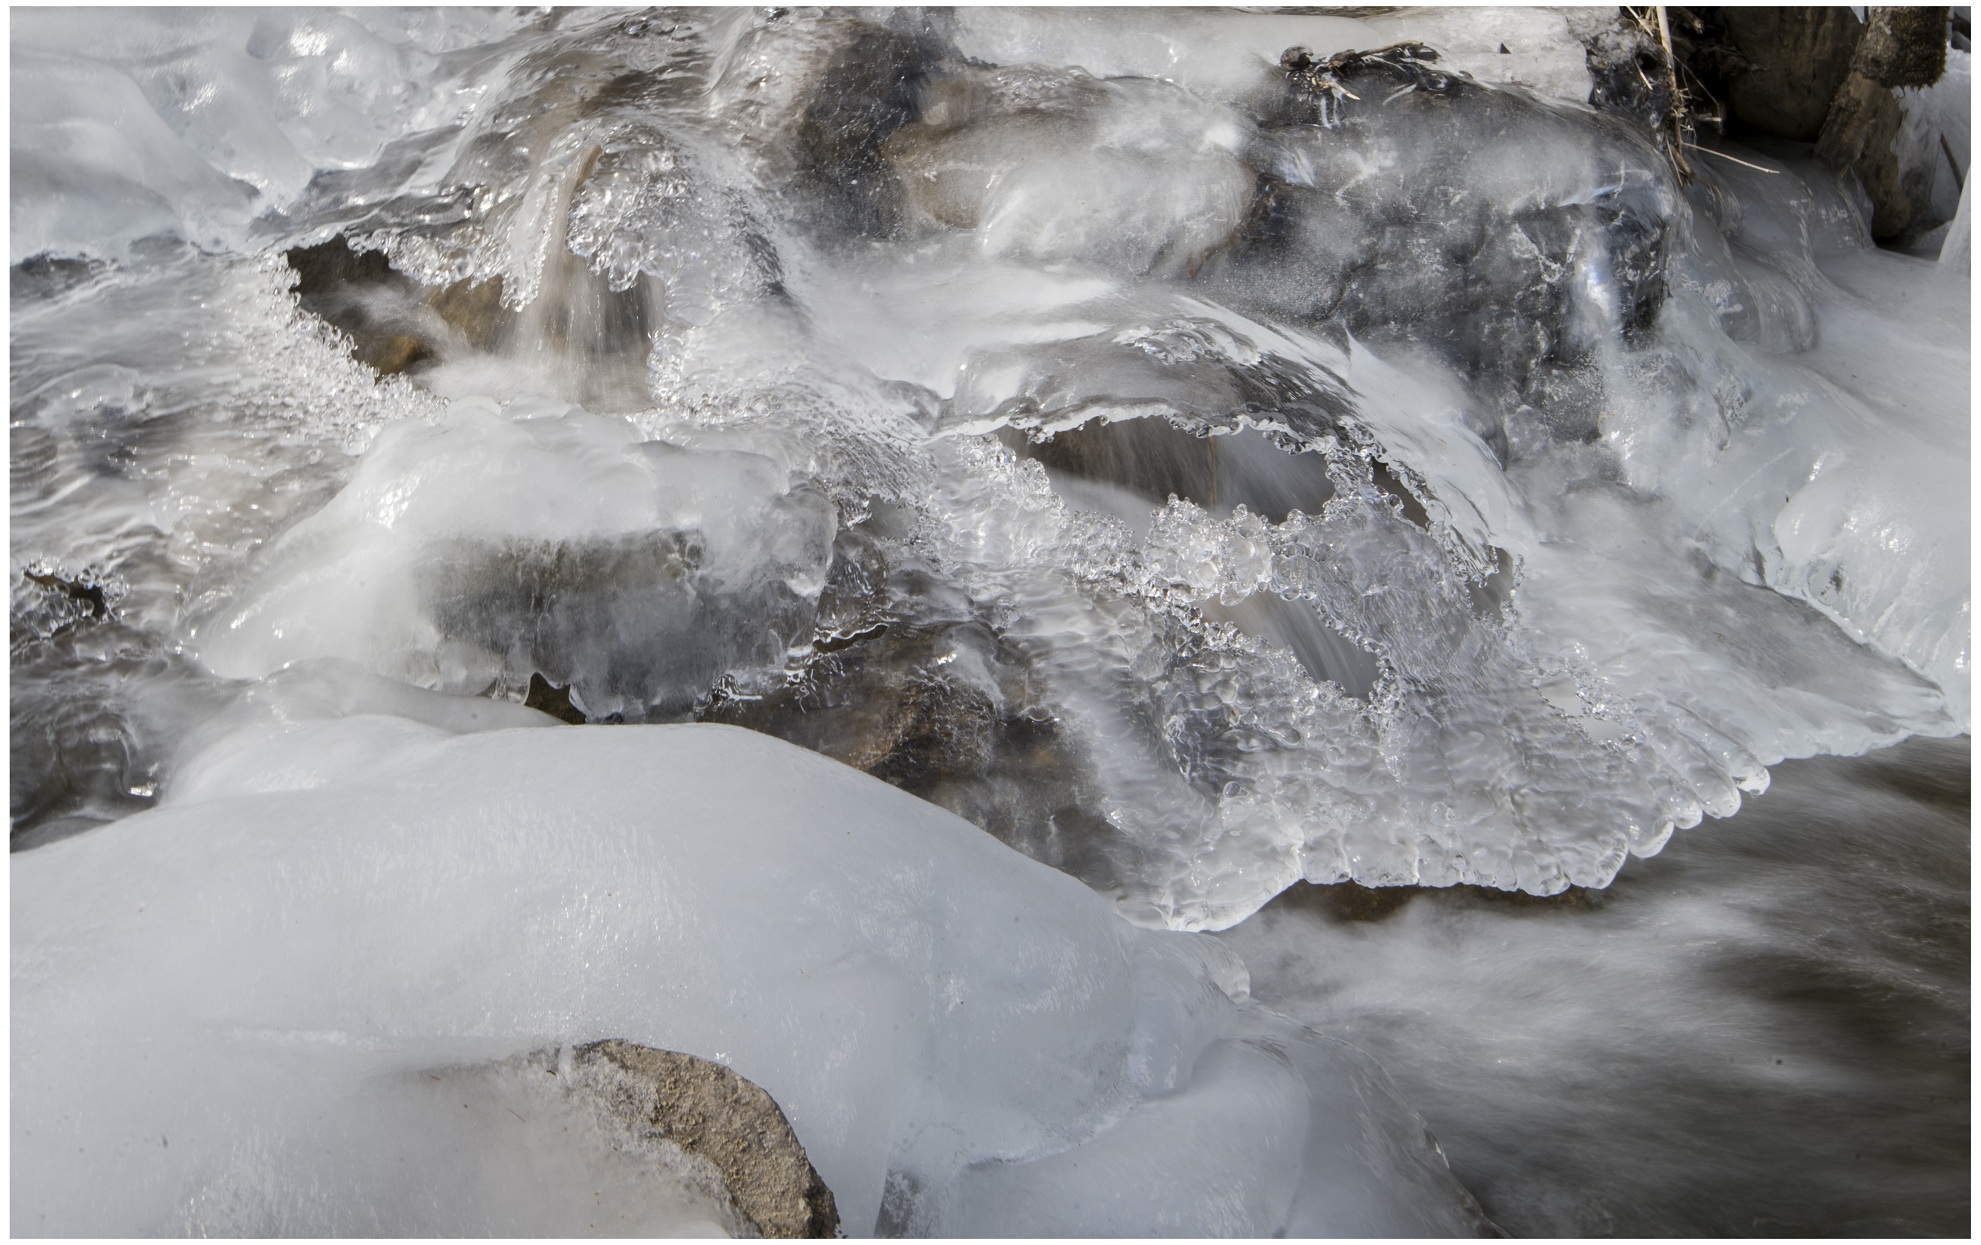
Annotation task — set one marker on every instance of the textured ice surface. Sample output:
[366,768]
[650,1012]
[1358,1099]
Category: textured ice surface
[192,122]
[494,546]
[257,1008]
[1528,503]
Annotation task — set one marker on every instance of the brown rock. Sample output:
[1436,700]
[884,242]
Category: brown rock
[1859,135]
[710,1111]
[1798,57]
[393,353]
[1904,46]
[546,697]
[374,305]
[474,309]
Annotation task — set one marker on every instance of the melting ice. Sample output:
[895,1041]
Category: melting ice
[1198,474]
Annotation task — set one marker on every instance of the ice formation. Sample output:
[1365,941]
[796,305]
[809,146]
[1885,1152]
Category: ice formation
[1527,504]
[1204,451]
[327,959]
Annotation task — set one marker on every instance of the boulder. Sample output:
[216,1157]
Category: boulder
[1798,57]
[1901,47]
[715,1113]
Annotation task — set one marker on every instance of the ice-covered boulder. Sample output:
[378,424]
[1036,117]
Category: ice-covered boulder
[261,1006]
[496,545]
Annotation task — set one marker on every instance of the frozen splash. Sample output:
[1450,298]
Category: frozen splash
[1202,473]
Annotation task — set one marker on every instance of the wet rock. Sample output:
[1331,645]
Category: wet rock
[1150,457]
[904,682]
[1057,166]
[50,276]
[360,293]
[714,1113]
[1351,902]
[1507,298]
[1626,67]
[632,624]
[474,309]
[816,94]
[886,702]
[96,714]
[50,600]
[395,323]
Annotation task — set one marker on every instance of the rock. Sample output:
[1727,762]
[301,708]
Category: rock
[1798,58]
[714,1113]
[1499,296]
[361,294]
[474,309]
[947,712]
[813,95]
[1902,47]
[396,324]
[546,697]
[1150,457]
[1626,68]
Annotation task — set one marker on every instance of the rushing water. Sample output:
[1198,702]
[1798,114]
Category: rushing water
[1207,474]
[1764,1031]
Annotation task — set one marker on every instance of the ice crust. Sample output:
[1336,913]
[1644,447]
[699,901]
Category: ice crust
[326,959]
[1529,504]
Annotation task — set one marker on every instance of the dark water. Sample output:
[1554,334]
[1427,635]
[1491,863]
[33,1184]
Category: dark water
[1763,1031]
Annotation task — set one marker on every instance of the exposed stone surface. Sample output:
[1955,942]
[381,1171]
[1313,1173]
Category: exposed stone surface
[1860,134]
[361,294]
[1797,58]
[950,713]
[710,1111]
[395,324]
[1902,47]
[1146,456]
[1626,67]
[474,309]
[546,697]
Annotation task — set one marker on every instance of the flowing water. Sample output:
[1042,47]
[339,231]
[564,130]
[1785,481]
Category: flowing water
[1762,1032]
[1208,472]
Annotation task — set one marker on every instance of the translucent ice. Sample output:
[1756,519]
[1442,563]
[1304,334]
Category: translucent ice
[496,546]
[1199,468]
[254,1008]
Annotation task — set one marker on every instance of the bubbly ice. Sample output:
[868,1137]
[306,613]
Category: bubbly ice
[322,963]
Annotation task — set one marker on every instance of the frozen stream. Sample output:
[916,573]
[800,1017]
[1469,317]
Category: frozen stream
[1236,489]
